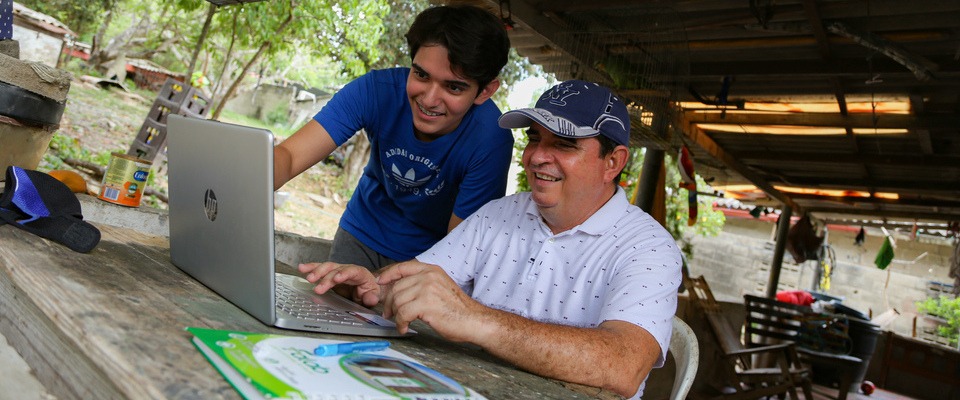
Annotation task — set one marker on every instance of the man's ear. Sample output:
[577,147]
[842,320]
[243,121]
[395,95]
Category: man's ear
[616,162]
[487,91]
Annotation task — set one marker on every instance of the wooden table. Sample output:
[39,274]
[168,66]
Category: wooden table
[109,324]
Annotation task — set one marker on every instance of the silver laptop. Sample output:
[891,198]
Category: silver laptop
[221,230]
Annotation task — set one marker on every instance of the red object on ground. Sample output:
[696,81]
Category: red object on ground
[797,297]
[867,387]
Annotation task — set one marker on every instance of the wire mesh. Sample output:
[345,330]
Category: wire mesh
[646,63]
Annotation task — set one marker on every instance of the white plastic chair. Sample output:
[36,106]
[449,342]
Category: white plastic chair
[686,354]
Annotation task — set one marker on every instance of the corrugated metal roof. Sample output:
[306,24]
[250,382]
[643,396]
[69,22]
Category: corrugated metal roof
[41,20]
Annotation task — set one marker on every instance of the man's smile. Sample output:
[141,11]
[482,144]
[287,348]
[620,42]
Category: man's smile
[545,177]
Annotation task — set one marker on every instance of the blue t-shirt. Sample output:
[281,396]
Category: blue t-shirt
[409,188]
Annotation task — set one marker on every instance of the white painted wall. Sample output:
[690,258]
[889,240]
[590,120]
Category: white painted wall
[37,46]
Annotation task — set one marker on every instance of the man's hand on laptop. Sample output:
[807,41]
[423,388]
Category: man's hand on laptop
[425,292]
[359,284]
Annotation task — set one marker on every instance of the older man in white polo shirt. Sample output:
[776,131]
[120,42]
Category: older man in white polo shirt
[568,281]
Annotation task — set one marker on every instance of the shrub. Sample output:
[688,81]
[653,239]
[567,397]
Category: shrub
[948,309]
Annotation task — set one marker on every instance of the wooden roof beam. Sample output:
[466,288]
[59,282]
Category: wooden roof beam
[905,187]
[851,200]
[698,136]
[883,213]
[889,224]
[550,26]
[865,121]
[823,43]
[717,64]
[762,157]
[729,44]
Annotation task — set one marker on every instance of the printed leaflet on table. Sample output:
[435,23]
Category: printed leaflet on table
[270,366]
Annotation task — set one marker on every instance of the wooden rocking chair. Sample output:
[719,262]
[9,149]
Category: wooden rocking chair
[740,371]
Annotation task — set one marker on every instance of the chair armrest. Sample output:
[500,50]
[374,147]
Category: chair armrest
[828,356]
[761,349]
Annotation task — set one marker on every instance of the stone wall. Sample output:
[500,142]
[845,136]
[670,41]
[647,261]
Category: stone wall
[737,262]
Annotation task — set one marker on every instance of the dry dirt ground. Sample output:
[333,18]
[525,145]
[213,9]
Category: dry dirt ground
[107,120]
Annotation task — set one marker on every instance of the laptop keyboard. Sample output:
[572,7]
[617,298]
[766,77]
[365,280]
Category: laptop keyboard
[307,307]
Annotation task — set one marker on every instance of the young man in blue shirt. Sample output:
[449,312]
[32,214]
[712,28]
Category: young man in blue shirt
[437,153]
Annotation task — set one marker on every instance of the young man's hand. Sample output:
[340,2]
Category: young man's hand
[361,283]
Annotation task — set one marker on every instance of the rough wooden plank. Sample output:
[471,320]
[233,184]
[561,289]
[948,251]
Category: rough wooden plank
[109,324]
[52,357]
[101,331]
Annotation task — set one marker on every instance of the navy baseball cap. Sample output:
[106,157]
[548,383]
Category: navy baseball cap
[40,204]
[575,109]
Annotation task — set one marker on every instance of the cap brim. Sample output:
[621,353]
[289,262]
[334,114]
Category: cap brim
[520,118]
[524,117]
[74,233]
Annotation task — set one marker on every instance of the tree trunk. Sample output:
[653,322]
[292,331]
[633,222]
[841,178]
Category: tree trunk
[356,154]
[203,37]
[236,82]
[98,38]
[163,47]
[116,46]
[246,68]
[227,58]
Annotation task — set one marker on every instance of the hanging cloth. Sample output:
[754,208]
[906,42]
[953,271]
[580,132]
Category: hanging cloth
[885,255]
[802,240]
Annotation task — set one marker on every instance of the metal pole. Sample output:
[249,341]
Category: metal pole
[783,225]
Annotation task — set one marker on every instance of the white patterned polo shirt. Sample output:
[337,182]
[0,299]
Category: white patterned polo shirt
[620,264]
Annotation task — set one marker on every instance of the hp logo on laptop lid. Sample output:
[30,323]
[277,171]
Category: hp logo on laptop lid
[210,204]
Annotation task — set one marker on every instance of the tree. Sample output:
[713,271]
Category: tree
[348,30]
[83,17]
[394,53]
[177,34]
[146,30]
[394,50]
[275,29]
[211,10]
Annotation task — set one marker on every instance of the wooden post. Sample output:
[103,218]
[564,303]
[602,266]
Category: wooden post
[775,265]
[649,177]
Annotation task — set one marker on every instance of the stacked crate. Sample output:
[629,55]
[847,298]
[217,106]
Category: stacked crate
[936,289]
[174,98]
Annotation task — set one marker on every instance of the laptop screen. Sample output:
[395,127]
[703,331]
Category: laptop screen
[221,209]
